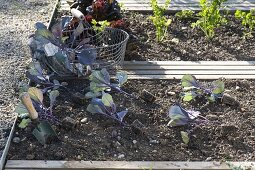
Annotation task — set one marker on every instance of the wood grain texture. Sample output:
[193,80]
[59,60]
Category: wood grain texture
[123,165]
[175,5]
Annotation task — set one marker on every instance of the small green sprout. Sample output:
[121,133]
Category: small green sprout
[248,21]
[184,14]
[100,26]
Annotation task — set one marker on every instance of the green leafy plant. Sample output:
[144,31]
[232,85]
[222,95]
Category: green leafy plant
[106,107]
[159,20]
[248,21]
[185,14]
[100,26]
[100,81]
[185,137]
[193,89]
[210,17]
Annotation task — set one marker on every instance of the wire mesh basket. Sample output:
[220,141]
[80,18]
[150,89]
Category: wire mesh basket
[109,45]
[83,48]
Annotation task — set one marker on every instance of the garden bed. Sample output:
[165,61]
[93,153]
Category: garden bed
[185,43]
[228,136]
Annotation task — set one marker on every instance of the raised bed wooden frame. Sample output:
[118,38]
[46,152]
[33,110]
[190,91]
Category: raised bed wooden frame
[155,70]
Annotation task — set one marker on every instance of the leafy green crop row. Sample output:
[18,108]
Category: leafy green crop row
[209,18]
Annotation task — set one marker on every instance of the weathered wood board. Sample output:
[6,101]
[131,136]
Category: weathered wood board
[7,145]
[200,69]
[125,165]
[176,5]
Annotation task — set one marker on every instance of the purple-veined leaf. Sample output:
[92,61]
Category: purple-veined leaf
[35,94]
[108,102]
[188,96]
[189,82]
[218,87]
[121,115]
[178,116]
[90,95]
[122,77]
[45,33]
[96,87]
[56,29]
[107,99]
[35,68]
[101,76]
[62,61]
[94,109]
[193,114]
[87,56]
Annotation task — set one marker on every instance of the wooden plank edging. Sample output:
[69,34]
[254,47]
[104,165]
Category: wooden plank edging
[125,165]
[205,63]
[7,145]
[143,5]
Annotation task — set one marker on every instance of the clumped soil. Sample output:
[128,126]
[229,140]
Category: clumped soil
[228,43]
[229,136]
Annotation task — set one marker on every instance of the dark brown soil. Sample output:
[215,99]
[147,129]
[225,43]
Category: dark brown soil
[228,43]
[232,138]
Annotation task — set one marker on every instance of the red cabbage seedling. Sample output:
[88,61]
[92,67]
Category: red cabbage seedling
[36,107]
[100,82]
[180,116]
[193,89]
[106,107]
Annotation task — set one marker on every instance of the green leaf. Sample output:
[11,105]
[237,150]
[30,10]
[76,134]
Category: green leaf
[107,99]
[189,81]
[24,123]
[168,22]
[94,109]
[188,96]
[95,87]
[43,132]
[36,94]
[44,33]
[219,87]
[185,137]
[90,95]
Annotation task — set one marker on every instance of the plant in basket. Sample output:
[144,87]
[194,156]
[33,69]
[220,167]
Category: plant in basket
[57,53]
[101,10]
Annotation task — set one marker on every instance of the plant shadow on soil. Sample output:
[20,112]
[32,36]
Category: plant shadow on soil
[101,138]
